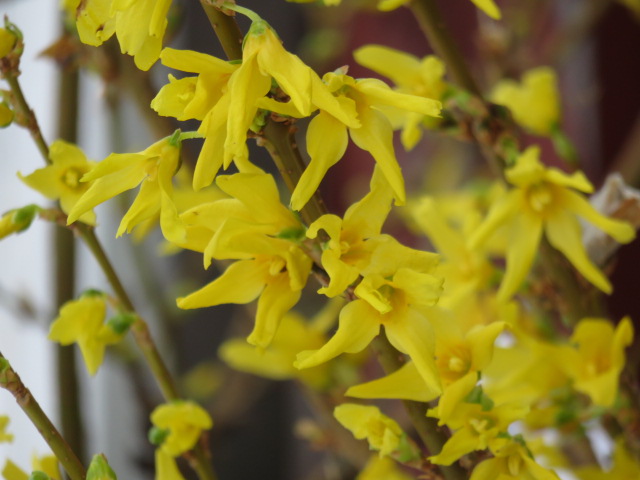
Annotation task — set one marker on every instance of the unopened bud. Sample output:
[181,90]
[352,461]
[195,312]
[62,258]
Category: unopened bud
[99,469]
[16,221]
[121,322]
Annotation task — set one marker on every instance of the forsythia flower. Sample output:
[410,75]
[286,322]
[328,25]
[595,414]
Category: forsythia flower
[598,359]
[475,427]
[411,75]
[512,461]
[253,228]
[139,25]
[382,432]
[184,421]
[4,436]
[535,103]
[82,321]
[153,169]
[327,137]
[180,424]
[396,287]
[347,252]
[61,179]
[543,200]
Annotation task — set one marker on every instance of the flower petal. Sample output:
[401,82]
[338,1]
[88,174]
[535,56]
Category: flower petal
[327,141]
[564,233]
[241,282]
[357,327]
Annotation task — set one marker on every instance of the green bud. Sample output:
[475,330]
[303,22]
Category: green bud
[157,435]
[21,218]
[407,450]
[478,396]
[38,475]
[259,121]
[92,292]
[175,139]
[295,234]
[99,469]
[121,322]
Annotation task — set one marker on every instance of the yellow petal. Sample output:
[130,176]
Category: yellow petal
[524,239]
[378,92]
[327,141]
[488,7]
[394,64]
[166,467]
[481,340]
[195,62]
[276,300]
[620,230]
[405,383]
[357,327]
[412,334]
[462,442]
[241,282]
[565,234]
[376,137]
[211,157]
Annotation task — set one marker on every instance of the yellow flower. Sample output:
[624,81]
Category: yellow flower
[276,361]
[597,360]
[411,75]
[204,98]
[544,200]
[139,25]
[61,179]
[4,436]
[82,321]
[382,432]
[347,252]
[512,461]
[328,132]
[535,103]
[457,355]
[397,285]
[466,270]
[153,169]
[183,422]
[178,426]
[276,273]
[475,426]
[247,228]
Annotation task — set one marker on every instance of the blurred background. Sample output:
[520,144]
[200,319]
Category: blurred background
[593,45]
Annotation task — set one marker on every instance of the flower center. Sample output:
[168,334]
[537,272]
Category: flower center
[71,178]
[540,197]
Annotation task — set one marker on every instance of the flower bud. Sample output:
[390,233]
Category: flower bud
[16,221]
[99,469]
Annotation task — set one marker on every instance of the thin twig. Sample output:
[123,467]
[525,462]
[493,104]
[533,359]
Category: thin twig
[9,380]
